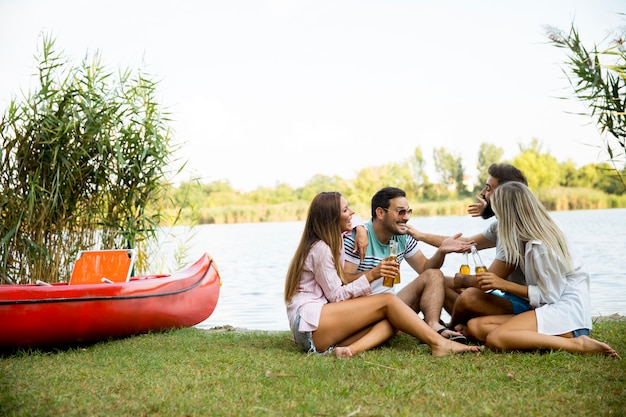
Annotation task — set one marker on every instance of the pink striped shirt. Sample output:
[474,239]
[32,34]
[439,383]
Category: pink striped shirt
[320,284]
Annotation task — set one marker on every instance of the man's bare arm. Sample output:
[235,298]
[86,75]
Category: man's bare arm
[432,240]
[479,240]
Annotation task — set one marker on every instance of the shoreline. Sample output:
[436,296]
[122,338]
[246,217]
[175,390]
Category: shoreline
[228,328]
[610,317]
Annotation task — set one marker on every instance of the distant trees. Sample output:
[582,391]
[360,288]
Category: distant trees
[449,166]
[487,154]
[540,167]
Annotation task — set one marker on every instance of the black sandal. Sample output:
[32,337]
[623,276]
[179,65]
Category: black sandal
[459,339]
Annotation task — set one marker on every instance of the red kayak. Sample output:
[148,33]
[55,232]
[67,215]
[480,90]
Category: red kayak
[57,314]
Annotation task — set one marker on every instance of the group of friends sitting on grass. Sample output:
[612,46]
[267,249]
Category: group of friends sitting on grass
[534,296]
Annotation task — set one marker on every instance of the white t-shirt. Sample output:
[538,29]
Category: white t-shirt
[491,234]
[560,297]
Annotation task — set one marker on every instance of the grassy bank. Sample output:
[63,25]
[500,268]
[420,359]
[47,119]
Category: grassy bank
[193,372]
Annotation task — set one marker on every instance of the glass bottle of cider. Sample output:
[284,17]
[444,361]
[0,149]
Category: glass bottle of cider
[478,262]
[388,282]
[465,268]
[393,254]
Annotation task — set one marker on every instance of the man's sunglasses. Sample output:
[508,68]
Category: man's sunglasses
[401,212]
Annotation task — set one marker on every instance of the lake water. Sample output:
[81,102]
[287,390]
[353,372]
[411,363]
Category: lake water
[253,258]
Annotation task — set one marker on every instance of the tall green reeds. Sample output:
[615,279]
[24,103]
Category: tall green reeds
[82,157]
[598,79]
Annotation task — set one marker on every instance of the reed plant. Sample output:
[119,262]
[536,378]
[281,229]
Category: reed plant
[598,79]
[83,159]
[193,372]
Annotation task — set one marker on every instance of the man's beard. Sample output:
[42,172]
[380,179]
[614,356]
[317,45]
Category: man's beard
[487,212]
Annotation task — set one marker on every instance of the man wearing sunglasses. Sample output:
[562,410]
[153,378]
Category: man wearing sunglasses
[390,213]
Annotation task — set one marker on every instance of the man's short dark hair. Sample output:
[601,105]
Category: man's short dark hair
[506,173]
[383,196]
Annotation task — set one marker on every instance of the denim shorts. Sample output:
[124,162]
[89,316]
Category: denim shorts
[520,304]
[305,339]
[581,332]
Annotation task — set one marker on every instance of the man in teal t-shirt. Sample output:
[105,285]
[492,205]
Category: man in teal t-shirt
[390,213]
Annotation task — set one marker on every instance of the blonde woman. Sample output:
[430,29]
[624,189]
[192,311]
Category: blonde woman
[557,286]
[328,314]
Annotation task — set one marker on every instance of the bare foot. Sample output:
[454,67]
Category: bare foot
[342,352]
[590,345]
[447,347]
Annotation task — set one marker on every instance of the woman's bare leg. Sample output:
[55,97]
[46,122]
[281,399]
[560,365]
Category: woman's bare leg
[335,327]
[473,302]
[520,333]
[383,330]
[365,311]
[479,327]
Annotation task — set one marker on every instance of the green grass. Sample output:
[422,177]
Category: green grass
[192,372]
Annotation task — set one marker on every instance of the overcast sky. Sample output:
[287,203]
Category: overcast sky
[263,92]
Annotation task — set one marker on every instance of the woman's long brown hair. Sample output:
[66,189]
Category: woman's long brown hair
[322,223]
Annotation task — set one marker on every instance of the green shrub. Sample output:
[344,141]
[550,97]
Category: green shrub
[82,158]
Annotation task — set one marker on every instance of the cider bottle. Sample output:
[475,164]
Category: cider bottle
[478,262]
[465,268]
[388,282]
[393,254]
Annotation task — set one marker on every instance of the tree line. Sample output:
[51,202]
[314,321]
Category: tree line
[590,186]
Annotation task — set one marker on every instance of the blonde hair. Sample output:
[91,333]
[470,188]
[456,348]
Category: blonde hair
[521,218]
[322,223]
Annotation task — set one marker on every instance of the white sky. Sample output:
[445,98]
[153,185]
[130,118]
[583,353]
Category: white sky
[277,91]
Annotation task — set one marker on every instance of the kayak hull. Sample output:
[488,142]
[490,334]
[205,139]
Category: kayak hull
[61,314]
